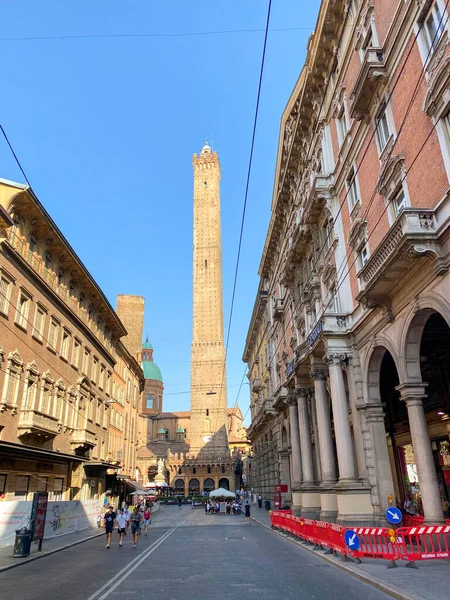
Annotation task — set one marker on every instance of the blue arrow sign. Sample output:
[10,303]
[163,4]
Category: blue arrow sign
[351,539]
[393,515]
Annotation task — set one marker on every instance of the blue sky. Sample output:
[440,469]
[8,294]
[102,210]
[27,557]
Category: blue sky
[106,128]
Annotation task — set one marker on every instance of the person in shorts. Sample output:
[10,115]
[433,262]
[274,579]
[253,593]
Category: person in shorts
[122,525]
[247,511]
[147,520]
[135,520]
[109,518]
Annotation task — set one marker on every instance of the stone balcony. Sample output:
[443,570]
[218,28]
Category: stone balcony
[372,75]
[32,422]
[256,385]
[278,308]
[84,438]
[415,237]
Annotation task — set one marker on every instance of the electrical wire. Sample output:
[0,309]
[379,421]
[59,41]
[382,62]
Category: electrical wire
[148,35]
[244,208]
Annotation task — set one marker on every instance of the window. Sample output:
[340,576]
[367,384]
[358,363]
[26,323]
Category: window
[12,386]
[398,201]
[23,308]
[194,470]
[209,470]
[2,484]
[65,345]
[352,189]
[207,412]
[382,128]
[150,401]
[367,42]
[41,484]
[86,361]
[94,370]
[341,125]
[39,320]
[76,353]
[33,243]
[333,301]
[363,256]
[58,487]
[5,293]
[48,261]
[433,27]
[46,400]
[22,484]
[102,377]
[53,333]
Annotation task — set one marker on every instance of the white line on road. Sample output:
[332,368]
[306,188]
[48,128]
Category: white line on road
[132,565]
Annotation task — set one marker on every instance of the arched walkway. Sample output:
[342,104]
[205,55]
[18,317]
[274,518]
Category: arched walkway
[194,487]
[179,486]
[208,485]
[224,483]
[414,394]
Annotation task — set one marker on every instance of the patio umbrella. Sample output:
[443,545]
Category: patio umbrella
[221,493]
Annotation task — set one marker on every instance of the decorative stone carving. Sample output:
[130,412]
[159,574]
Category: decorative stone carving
[335,358]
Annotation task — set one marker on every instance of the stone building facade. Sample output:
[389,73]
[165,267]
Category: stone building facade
[61,429]
[352,317]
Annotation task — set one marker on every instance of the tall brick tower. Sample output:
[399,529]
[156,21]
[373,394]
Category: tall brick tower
[208,435]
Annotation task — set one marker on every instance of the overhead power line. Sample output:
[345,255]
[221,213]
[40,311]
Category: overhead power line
[87,36]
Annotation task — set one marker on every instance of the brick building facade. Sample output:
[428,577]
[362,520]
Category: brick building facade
[352,317]
[68,387]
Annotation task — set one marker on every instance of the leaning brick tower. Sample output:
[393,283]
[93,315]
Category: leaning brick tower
[208,436]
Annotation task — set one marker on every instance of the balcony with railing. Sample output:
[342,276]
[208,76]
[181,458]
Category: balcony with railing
[278,308]
[416,234]
[372,75]
[34,422]
[256,385]
[82,437]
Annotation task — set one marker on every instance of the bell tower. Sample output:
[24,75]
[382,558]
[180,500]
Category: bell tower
[208,436]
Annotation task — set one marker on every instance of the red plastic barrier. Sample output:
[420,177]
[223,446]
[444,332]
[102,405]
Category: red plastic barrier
[424,543]
[375,542]
[336,540]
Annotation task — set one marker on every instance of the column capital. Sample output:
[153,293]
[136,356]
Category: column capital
[335,358]
[291,400]
[302,392]
[412,393]
[318,374]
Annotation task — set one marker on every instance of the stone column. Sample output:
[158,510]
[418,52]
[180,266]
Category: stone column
[344,442]
[328,500]
[354,386]
[310,493]
[413,395]
[325,439]
[315,428]
[296,457]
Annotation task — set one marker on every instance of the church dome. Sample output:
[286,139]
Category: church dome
[206,149]
[151,371]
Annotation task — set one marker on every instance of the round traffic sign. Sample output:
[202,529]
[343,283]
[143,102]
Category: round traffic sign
[351,539]
[393,515]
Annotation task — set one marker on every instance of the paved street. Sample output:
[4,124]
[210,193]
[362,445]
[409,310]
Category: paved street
[187,555]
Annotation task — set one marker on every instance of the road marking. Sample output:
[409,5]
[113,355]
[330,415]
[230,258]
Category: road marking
[132,565]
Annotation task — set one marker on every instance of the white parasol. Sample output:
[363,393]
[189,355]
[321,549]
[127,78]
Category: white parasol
[221,493]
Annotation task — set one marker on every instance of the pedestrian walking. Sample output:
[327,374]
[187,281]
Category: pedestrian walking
[147,520]
[179,503]
[259,501]
[247,511]
[122,525]
[109,518]
[127,514]
[135,519]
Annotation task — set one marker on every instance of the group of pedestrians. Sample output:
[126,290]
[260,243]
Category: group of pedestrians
[233,507]
[128,517]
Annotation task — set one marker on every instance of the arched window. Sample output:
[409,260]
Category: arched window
[48,261]
[33,242]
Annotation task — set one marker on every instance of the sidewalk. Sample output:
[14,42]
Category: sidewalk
[48,547]
[430,582]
